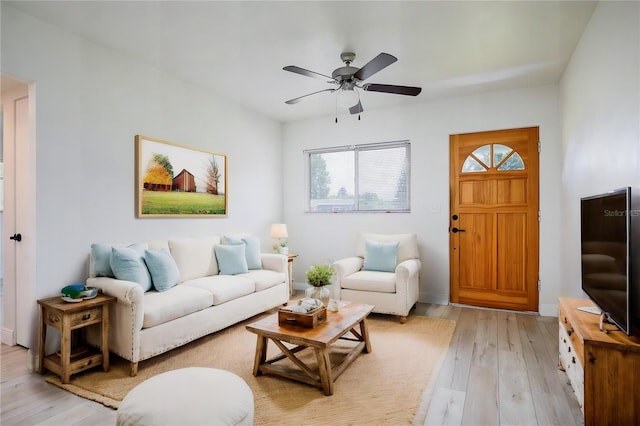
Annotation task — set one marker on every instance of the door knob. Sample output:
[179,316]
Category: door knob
[16,237]
[456,230]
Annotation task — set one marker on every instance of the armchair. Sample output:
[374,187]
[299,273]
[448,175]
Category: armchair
[384,273]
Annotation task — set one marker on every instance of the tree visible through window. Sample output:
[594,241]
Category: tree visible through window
[371,178]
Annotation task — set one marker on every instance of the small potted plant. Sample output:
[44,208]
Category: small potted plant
[280,247]
[319,278]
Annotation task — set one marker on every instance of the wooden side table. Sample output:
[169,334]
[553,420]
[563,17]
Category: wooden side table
[68,317]
[290,258]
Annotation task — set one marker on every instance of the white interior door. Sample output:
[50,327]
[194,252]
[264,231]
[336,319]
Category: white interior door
[19,296]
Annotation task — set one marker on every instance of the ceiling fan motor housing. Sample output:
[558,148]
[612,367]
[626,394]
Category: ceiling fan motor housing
[345,73]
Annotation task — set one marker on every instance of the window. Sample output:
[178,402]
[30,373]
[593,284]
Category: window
[495,156]
[360,178]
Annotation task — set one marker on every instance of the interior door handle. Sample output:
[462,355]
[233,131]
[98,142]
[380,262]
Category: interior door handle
[16,237]
[456,230]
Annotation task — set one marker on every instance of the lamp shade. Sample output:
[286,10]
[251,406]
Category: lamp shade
[278,230]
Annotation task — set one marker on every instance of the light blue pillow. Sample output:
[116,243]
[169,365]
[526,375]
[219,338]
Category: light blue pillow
[128,264]
[252,252]
[252,249]
[163,269]
[101,258]
[231,259]
[380,255]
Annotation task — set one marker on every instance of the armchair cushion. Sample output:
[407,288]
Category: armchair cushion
[380,256]
[376,281]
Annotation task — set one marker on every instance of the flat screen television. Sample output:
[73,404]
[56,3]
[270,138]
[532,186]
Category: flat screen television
[606,253]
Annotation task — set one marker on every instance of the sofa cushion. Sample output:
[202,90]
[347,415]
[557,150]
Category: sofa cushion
[231,258]
[176,302]
[381,282]
[223,288]
[163,269]
[407,247]
[195,257]
[128,264]
[264,278]
[380,256]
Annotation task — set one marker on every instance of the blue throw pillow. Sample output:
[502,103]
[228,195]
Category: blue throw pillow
[101,258]
[231,259]
[163,269]
[128,264]
[252,249]
[252,252]
[380,256]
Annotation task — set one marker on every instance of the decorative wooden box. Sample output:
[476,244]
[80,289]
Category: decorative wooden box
[307,320]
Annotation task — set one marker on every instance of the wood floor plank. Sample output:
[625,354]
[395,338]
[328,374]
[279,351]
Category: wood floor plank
[551,409]
[481,401]
[445,408]
[508,334]
[457,363]
[516,401]
[541,366]
[485,344]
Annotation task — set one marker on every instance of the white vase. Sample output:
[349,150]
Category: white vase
[283,250]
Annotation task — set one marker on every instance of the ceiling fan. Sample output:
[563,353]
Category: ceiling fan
[348,78]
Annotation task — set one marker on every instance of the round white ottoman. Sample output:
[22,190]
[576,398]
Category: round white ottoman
[189,396]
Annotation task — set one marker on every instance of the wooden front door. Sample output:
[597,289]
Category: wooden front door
[494,204]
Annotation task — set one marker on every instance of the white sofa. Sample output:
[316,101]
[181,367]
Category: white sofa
[394,291]
[147,323]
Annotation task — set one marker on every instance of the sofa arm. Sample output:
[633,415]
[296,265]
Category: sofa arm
[274,262]
[130,300]
[126,292]
[345,267]
[125,317]
[407,270]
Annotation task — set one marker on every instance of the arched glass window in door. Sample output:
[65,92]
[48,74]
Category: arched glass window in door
[493,156]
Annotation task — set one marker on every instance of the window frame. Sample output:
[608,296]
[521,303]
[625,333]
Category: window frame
[356,149]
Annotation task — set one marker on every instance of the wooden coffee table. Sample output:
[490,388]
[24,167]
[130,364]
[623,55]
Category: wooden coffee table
[352,317]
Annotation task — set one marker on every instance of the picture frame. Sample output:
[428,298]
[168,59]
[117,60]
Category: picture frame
[178,181]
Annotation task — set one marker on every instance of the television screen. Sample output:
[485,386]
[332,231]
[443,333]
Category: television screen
[605,234]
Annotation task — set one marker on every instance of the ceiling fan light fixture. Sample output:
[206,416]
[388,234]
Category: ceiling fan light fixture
[348,97]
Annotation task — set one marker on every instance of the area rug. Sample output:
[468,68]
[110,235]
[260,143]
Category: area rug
[391,385]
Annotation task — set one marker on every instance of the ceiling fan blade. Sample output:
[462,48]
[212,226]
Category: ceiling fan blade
[390,88]
[296,100]
[356,109]
[378,63]
[307,73]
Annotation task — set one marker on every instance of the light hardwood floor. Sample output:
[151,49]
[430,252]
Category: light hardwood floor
[501,369]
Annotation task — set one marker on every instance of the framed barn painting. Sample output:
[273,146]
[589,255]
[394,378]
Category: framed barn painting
[177,181]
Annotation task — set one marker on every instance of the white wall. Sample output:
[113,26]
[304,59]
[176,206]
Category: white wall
[90,103]
[324,237]
[600,98]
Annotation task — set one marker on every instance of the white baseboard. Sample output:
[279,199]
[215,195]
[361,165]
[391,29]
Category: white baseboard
[8,337]
[548,310]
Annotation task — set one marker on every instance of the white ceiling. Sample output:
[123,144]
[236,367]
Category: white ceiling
[237,48]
